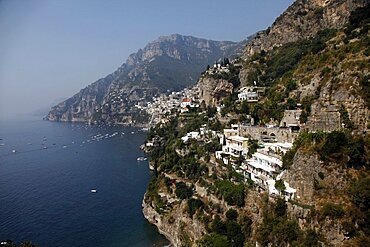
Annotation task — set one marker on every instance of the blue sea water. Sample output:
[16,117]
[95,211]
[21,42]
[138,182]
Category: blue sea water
[45,185]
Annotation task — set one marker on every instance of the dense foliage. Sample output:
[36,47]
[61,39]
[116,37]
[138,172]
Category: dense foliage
[232,193]
[336,146]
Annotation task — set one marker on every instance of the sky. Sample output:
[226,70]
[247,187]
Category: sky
[50,49]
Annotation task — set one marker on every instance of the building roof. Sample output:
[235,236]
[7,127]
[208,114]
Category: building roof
[268,158]
[260,166]
[238,138]
[230,130]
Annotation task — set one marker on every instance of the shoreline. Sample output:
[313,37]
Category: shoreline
[147,210]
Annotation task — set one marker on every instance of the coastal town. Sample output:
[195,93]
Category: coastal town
[262,166]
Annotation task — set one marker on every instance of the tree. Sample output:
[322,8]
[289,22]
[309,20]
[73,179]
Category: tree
[183,191]
[291,104]
[218,226]
[232,214]
[214,240]
[279,185]
[280,208]
[234,234]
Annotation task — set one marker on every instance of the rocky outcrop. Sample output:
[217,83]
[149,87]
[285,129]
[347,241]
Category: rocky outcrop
[176,226]
[169,63]
[302,20]
[212,90]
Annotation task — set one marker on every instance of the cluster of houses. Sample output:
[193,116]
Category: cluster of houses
[263,167]
[164,105]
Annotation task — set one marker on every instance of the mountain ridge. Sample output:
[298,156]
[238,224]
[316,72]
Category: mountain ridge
[168,63]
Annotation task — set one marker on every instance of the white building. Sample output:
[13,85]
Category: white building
[190,135]
[264,168]
[289,193]
[248,96]
[185,102]
[234,147]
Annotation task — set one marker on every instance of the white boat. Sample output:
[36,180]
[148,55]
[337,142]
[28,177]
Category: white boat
[141,159]
[93,191]
[13,151]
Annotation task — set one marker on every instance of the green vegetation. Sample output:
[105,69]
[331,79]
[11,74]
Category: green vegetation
[183,191]
[231,76]
[232,193]
[281,60]
[337,146]
[282,70]
[229,231]
[214,240]
[332,210]
[279,185]
[345,117]
[360,197]
[194,205]
[278,230]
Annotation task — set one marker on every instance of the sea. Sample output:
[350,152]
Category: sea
[71,184]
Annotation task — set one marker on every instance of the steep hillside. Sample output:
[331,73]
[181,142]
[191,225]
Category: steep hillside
[302,20]
[169,63]
[196,198]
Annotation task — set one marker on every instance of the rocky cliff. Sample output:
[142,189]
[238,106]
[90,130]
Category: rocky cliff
[302,20]
[169,63]
[326,70]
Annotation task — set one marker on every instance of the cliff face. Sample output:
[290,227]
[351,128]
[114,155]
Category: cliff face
[177,226]
[327,71]
[169,63]
[302,20]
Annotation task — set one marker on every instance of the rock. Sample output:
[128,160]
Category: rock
[169,63]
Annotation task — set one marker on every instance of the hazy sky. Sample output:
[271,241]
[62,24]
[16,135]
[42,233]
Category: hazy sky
[51,49]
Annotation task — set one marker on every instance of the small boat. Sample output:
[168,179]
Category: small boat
[141,159]
[132,132]
[93,191]
[13,151]
[64,146]
[45,147]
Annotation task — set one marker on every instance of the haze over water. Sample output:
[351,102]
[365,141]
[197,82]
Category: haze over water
[45,193]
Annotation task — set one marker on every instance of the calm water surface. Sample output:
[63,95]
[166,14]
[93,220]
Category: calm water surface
[45,185]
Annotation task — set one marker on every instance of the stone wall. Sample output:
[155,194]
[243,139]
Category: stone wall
[256,132]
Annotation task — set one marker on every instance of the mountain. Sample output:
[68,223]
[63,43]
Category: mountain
[166,64]
[302,20]
[316,77]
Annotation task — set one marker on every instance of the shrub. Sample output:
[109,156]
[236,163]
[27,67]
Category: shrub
[218,226]
[280,208]
[233,194]
[214,240]
[183,191]
[332,210]
[234,234]
[194,205]
[232,214]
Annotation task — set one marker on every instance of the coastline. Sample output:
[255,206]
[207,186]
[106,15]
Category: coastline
[154,218]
